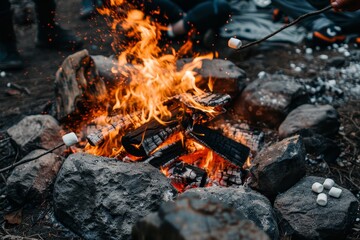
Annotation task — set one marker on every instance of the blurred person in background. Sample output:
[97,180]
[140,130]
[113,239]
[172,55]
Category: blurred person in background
[49,34]
[329,27]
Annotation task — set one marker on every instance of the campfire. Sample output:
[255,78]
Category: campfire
[160,114]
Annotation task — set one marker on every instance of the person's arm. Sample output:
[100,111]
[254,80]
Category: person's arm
[345,5]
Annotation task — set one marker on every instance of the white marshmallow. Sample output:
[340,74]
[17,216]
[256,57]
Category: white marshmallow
[321,199]
[335,192]
[317,187]
[328,183]
[234,43]
[70,139]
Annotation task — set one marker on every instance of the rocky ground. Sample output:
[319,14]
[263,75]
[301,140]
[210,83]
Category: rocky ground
[332,76]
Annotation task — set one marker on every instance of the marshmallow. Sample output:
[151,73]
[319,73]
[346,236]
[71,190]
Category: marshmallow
[321,199]
[328,183]
[70,139]
[335,192]
[317,187]
[234,43]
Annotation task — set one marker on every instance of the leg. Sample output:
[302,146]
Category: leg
[51,35]
[9,56]
[298,8]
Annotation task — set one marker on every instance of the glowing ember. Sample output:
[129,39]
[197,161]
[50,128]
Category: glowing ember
[156,81]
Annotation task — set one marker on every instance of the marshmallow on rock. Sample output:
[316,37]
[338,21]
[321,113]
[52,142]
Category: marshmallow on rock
[317,187]
[335,192]
[328,183]
[70,139]
[234,43]
[321,199]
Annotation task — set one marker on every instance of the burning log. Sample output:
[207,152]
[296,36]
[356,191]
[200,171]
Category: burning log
[117,123]
[166,155]
[183,174]
[227,148]
[145,139]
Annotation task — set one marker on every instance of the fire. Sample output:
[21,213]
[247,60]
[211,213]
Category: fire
[155,80]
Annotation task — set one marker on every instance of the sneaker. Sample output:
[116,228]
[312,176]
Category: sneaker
[10,58]
[328,35]
[56,37]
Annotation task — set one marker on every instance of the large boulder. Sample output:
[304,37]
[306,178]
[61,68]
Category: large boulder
[301,217]
[322,120]
[31,181]
[191,218]
[36,132]
[269,100]
[101,198]
[251,204]
[278,167]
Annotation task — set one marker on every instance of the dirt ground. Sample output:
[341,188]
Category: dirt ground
[41,66]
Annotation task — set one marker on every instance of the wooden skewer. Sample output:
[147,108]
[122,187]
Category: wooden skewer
[285,26]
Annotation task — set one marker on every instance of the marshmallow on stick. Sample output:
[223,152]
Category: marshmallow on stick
[234,43]
[70,139]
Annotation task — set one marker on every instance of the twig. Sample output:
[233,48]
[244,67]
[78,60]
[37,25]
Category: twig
[285,26]
[30,159]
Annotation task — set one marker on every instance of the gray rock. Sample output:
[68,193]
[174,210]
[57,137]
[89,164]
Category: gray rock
[101,198]
[302,218]
[31,181]
[337,62]
[251,204]
[36,132]
[7,150]
[319,119]
[269,100]
[190,218]
[278,167]
[225,75]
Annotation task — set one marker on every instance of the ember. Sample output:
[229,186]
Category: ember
[158,115]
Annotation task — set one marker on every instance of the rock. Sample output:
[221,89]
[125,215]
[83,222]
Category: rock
[337,62]
[278,167]
[36,132]
[31,181]
[101,198]
[317,145]
[319,119]
[190,218]
[251,204]
[225,75]
[269,100]
[301,218]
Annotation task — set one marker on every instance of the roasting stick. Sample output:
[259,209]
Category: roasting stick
[68,140]
[285,26]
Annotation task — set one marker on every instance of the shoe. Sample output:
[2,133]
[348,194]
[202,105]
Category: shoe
[328,35]
[10,58]
[55,37]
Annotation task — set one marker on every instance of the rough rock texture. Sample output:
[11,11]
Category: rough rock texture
[301,218]
[251,204]
[318,145]
[101,198]
[36,132]
[225,75]
[190,218]
[8,149]
[31,181]
[269,100]
[278,167]
[319,119]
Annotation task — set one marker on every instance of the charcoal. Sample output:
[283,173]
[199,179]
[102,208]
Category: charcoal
[227,148]
[145,139]
[167,154]
[183,173]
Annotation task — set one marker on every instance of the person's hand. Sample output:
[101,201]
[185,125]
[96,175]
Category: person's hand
[345,5]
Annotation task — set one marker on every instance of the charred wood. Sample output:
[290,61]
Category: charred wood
[187,175]
[166,155]
[227,148]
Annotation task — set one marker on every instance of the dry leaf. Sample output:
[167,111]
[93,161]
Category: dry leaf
[14,217]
